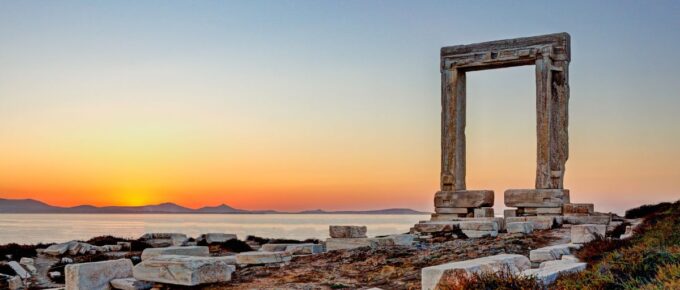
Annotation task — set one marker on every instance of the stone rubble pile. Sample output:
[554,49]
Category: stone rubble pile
[74,248]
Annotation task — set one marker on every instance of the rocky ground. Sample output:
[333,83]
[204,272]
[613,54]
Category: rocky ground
[386,268]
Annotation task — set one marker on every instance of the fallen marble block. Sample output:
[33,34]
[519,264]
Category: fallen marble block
[130,284]
[478,225]
[432,276]
[581,234]
[96,275]
[196,251]
[347,231]
[304,249]
[261,257]
[185,270]
[210,238]
[59,249]
[112,248]
[548,274]
[536,197]
[333,244]
[435,226]
[520,227]
[159,240]
[402,239]
[587,219]
[464,198]
[19,270]
[29,264]
[552,252]
[570,258]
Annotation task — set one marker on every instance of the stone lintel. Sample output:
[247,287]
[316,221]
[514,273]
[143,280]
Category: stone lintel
[464,198]
[536,197]
[506,52]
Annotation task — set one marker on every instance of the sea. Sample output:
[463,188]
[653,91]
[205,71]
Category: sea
[49,228]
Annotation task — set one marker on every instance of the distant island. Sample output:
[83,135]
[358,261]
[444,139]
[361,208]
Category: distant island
[35,206]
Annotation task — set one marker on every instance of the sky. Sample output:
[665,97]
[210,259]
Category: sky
[295,105]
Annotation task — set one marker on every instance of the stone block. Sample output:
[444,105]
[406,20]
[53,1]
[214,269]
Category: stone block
[590,219]
[210,238]
[261,257]
[451,210]
[532,211]
[539,222]
[401,239]
[520,227]
[464,198]
[509,213]
[473,234]
[570,258]
[477,225]
[59,249]
[552,252]
[19,270]
[96,275]
[125,245]
[536,197]
[185,270]
[130,284]
[196,251]
[447,216]
[581,234]
[158,240]
[304,249]
[432,276]
[435,227]
[333,244]
[347,231]
[483,212]
[550,273]
[578,208]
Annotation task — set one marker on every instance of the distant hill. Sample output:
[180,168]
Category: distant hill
[34,206]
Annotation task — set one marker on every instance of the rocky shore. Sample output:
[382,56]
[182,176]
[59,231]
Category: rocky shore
[431,256]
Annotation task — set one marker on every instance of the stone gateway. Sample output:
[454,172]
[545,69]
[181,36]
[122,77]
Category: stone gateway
[550,54]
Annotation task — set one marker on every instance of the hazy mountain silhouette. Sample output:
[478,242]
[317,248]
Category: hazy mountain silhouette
[34,206]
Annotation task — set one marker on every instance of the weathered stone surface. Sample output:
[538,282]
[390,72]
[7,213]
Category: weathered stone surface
[28,264]
[531,211]
[15,283]
[196,251]
[96,275]
[347,231]
[185,270]
[432,276]
[111,248]
[581,234]
[451,210]
[448,216]
[216,237]
[295,249]
[435,227]
[19,270]
[484,225]
[520,227]
[261,257]
[124,245]
[549,273]
[539,222]
[483,212]
[130,284]
[333,244]
[509,213]
[464,198]
[552,252]
[304,249]
[570,258]
[578,208]
[158,240]
[590,219]
[536,197]
[59,249]
[473,234]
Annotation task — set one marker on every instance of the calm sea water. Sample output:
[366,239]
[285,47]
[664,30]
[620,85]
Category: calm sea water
[35,228]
